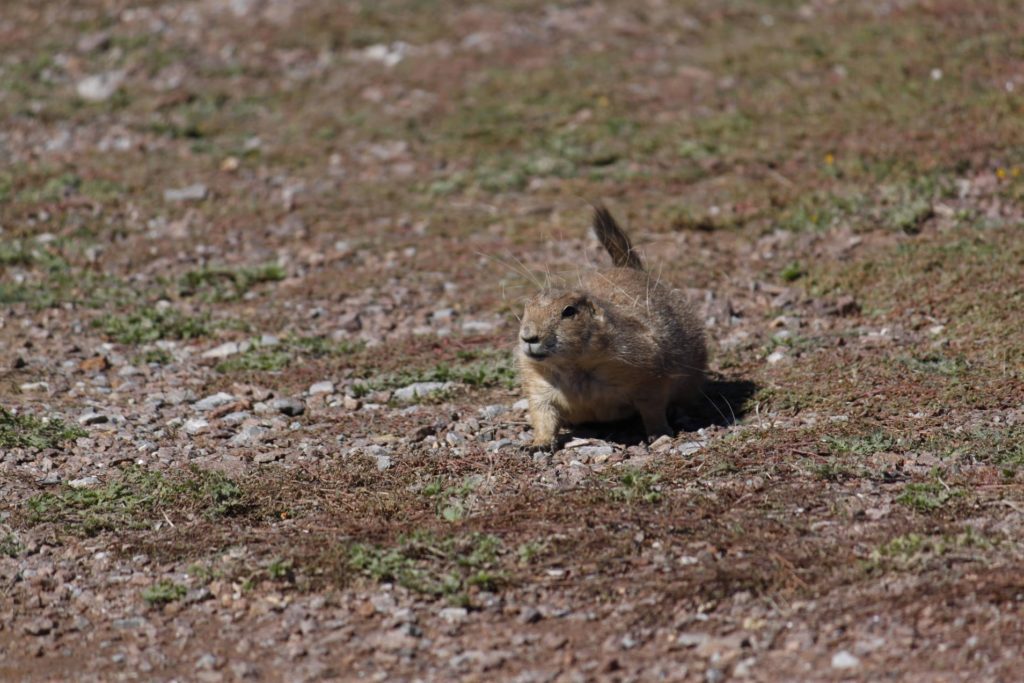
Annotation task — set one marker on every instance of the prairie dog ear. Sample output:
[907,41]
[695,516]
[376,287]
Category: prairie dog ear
[595,310]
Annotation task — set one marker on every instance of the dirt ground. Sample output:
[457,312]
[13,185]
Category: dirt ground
[260,266]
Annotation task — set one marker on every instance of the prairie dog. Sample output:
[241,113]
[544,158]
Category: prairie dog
[618,344]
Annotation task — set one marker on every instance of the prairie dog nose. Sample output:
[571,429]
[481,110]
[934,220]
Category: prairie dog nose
[529,335]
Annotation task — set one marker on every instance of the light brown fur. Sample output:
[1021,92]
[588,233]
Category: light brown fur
[620,343]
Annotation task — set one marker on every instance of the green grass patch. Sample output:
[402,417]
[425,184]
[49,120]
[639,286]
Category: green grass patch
[1009,455]
[281,569]
[51,279]
[793,272]
[442,567]
[152,324]
[928,496]
[321,347]
[453,503]
[157,356]
[934,364]
[28,431]
[869,444]
[475,369]
[637,486]
[531,551]
[911,550]
[263,358]
[163,592]
[834,470]
[256,359]
[10,546]
[227,284]
[136,499]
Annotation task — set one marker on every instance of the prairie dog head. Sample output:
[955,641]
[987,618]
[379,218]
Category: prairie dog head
[558,326]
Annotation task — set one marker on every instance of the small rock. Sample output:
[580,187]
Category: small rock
[195,426]
[229,408]
[691,447]
[94,364]
[412,392]
[714,675]
[236,417]
[529,615]
[129,623]
[496,446]
[492,411]
[190,193]
[99,87]
[844,660]
[249,435]
[477,327]
[39,627]
[454,438]
[350,403]
[454,615]
[267,457]
[178,396]
[381,455]
[291,407]
[662,443]
[244,670]
[847,305]
[554,641]
[321,388]
[207,662]
[350,322]
[775,356]
[521,405]
[214,401]
[691,639]
[223,351]
[389,55]
[92,418]
[84,482]
[30,387]
[595,451]
[744,668]
[91,42]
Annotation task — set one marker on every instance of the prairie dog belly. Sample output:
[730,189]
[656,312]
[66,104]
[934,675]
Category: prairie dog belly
[587,397]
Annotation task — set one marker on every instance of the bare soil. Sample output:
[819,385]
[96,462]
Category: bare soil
[235,237]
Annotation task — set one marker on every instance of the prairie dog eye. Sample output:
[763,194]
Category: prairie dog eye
[569,312]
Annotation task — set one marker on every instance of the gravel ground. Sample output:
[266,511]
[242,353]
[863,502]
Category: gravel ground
[260,266]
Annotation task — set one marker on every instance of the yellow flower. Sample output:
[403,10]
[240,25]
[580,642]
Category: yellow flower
[1001,173]
[829,159]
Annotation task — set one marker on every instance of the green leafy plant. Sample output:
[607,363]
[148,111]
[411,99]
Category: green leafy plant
[163,592]
[637,486]
[28,431]
[153,324]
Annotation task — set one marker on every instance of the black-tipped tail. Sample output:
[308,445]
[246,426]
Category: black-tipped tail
[614,240]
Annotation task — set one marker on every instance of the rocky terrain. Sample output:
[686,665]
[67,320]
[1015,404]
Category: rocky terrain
[260,266]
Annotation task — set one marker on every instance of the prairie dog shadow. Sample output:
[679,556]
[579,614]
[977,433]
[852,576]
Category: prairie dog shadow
[724,402]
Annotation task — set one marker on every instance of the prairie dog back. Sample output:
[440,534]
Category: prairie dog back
[620,343]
